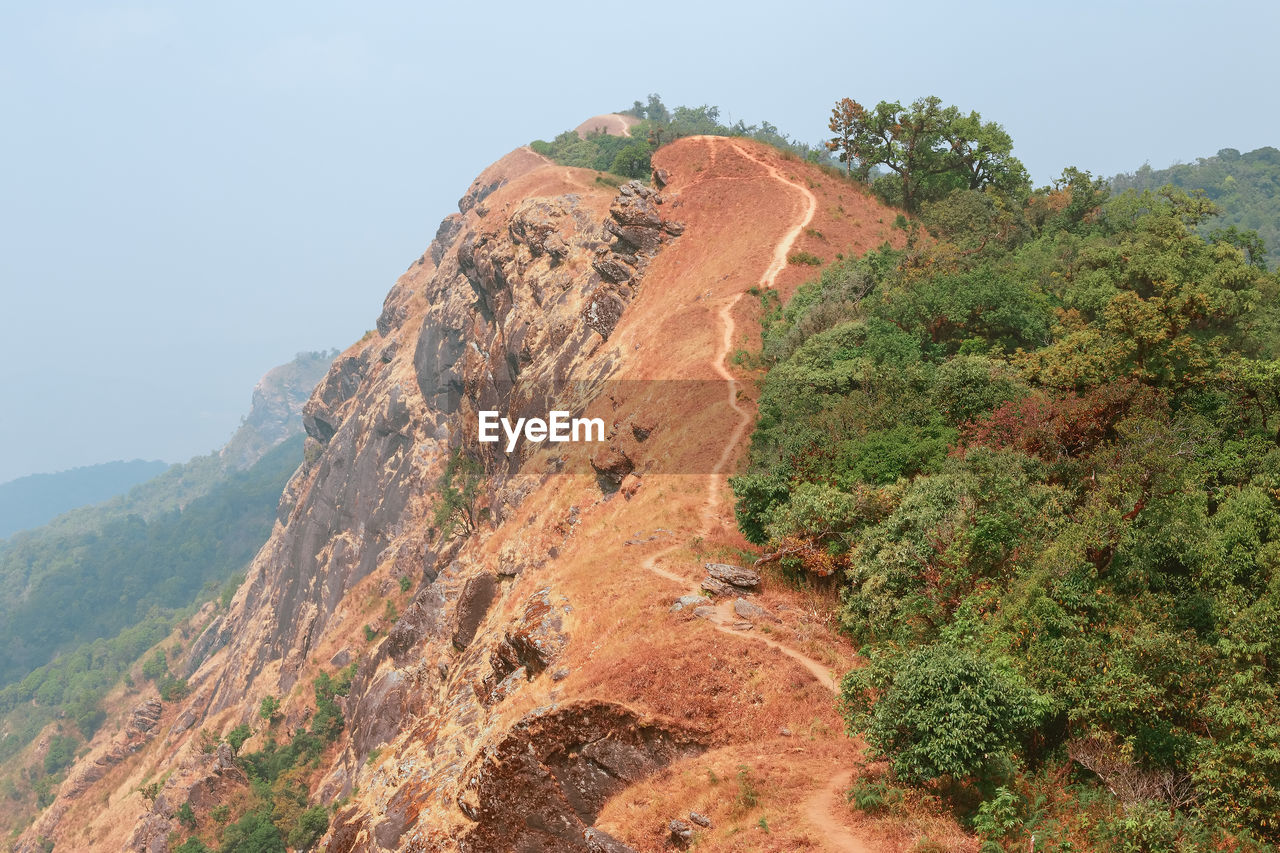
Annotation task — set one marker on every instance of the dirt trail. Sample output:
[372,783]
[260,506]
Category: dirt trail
[784,246]
[819,806]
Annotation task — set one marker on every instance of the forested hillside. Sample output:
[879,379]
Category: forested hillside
[1246,188]
[32,500]
[57,591]
[1037,453]
[78,608]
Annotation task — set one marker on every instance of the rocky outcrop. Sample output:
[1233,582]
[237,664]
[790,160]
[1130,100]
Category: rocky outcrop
[734,576]
[541,787]
[320,415]
[528,647]
[140,728]
[201,779]
[638,231]
[278,399]
[473,606]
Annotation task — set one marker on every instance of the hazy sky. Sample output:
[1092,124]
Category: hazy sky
[191,193]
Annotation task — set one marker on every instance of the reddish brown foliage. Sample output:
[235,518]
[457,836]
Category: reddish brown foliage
[1057,428]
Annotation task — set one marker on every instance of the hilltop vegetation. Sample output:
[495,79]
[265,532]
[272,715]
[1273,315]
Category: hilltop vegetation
[1038,453]
[1245,187]
[629,156]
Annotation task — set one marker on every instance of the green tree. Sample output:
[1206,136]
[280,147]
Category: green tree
[931,150]
[941,711]
[237,736]
[269,708]
[459,491]
[61,752]
[848,120]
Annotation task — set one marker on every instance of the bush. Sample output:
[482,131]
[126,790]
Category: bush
[172,689]
[998,815]
[61,752]
[155,667]
[269,708]
[802,258]
[193,845]
[238,736]
[312,824]
[942,711]
[253,833]
[748,796]
[875,796]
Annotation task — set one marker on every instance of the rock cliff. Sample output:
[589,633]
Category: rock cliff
[273,414]
[521,680]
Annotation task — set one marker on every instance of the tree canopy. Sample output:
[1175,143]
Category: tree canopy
[1039,457]
[929,149]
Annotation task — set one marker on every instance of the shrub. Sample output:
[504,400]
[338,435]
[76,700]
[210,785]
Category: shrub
[875,796]
[193,845]
[748,796]
[312,824]
[998,815]
[802,258]
[253,833]
[942,711]
[269,708]
[61,752]
[238,736]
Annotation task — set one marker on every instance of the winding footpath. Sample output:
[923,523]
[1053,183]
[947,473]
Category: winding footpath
[820,807]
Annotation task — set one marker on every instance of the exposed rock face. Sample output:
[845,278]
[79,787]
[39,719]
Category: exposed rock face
[278,399]
[508,293]
[495,723]
[141,727]
[473,606]
[543,785]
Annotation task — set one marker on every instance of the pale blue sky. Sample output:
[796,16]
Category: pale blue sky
[191,193]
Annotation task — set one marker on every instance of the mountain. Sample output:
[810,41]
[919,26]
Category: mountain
[1245,186]
[103,567]
[83,596]
[459,638]
[32,500]
[955,530]
[273,415]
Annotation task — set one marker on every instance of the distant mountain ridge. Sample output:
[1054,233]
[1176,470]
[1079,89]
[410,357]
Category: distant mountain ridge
[1245,186]
[277,401]
[32,500]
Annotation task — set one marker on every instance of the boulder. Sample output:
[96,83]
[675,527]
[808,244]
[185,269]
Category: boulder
[686,601]
[611,466]
[477,597]
[736,575]
[599,841]
[715,586]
